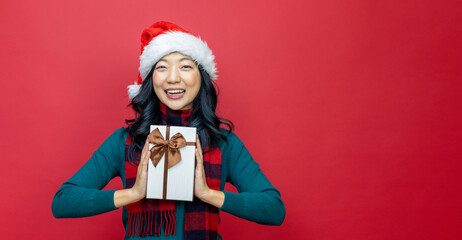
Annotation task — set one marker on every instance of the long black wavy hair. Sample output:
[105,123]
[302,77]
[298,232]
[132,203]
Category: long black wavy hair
[147,112]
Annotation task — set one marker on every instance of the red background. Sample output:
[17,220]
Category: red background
[352,108]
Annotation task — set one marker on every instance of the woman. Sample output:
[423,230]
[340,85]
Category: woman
[174,87]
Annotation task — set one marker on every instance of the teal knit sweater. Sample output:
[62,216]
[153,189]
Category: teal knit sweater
[257,200]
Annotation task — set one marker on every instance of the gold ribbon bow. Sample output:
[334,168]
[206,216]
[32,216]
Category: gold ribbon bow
[169,147]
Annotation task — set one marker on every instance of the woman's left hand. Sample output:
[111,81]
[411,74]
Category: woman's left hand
[200,184]
[201,189]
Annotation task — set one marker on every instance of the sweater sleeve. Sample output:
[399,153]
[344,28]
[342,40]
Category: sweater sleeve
[258,200]
[81,195]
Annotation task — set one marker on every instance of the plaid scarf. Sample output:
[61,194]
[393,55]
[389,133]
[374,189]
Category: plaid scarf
[148,216]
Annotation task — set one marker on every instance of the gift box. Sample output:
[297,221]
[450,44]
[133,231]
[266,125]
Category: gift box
[172,164]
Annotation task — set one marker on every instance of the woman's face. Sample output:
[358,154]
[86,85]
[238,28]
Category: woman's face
[176,80]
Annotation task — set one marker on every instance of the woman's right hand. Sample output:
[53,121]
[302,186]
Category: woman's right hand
[138,191]
[139,188]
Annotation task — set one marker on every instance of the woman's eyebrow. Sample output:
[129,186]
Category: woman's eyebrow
[185,58]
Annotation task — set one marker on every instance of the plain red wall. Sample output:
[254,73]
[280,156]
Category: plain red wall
[352,108]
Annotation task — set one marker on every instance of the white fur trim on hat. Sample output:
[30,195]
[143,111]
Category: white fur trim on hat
[133,90]
[175,41]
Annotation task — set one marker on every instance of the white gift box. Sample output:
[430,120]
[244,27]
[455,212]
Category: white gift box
[180,177]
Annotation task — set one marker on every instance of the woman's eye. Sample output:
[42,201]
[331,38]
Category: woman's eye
[186,66]
[160,67]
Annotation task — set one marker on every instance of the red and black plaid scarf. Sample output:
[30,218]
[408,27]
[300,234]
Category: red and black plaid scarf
[148,216]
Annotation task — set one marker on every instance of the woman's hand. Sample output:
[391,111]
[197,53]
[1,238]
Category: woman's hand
[140,186]
[200,184]
[138,191]
[201,189]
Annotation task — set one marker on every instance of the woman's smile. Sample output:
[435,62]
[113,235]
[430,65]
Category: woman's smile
[175,93]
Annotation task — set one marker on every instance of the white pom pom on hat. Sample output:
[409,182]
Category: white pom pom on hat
[163,38]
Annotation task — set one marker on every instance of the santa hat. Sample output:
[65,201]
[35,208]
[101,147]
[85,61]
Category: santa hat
[163,38]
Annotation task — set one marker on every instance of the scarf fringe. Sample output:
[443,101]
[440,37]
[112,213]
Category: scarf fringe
[149,223]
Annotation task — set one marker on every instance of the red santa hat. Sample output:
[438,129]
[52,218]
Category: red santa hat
[163,38]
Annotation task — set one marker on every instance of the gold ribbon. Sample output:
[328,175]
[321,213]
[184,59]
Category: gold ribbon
[168,147]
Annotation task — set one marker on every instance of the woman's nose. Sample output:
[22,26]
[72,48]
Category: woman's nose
[173,75]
